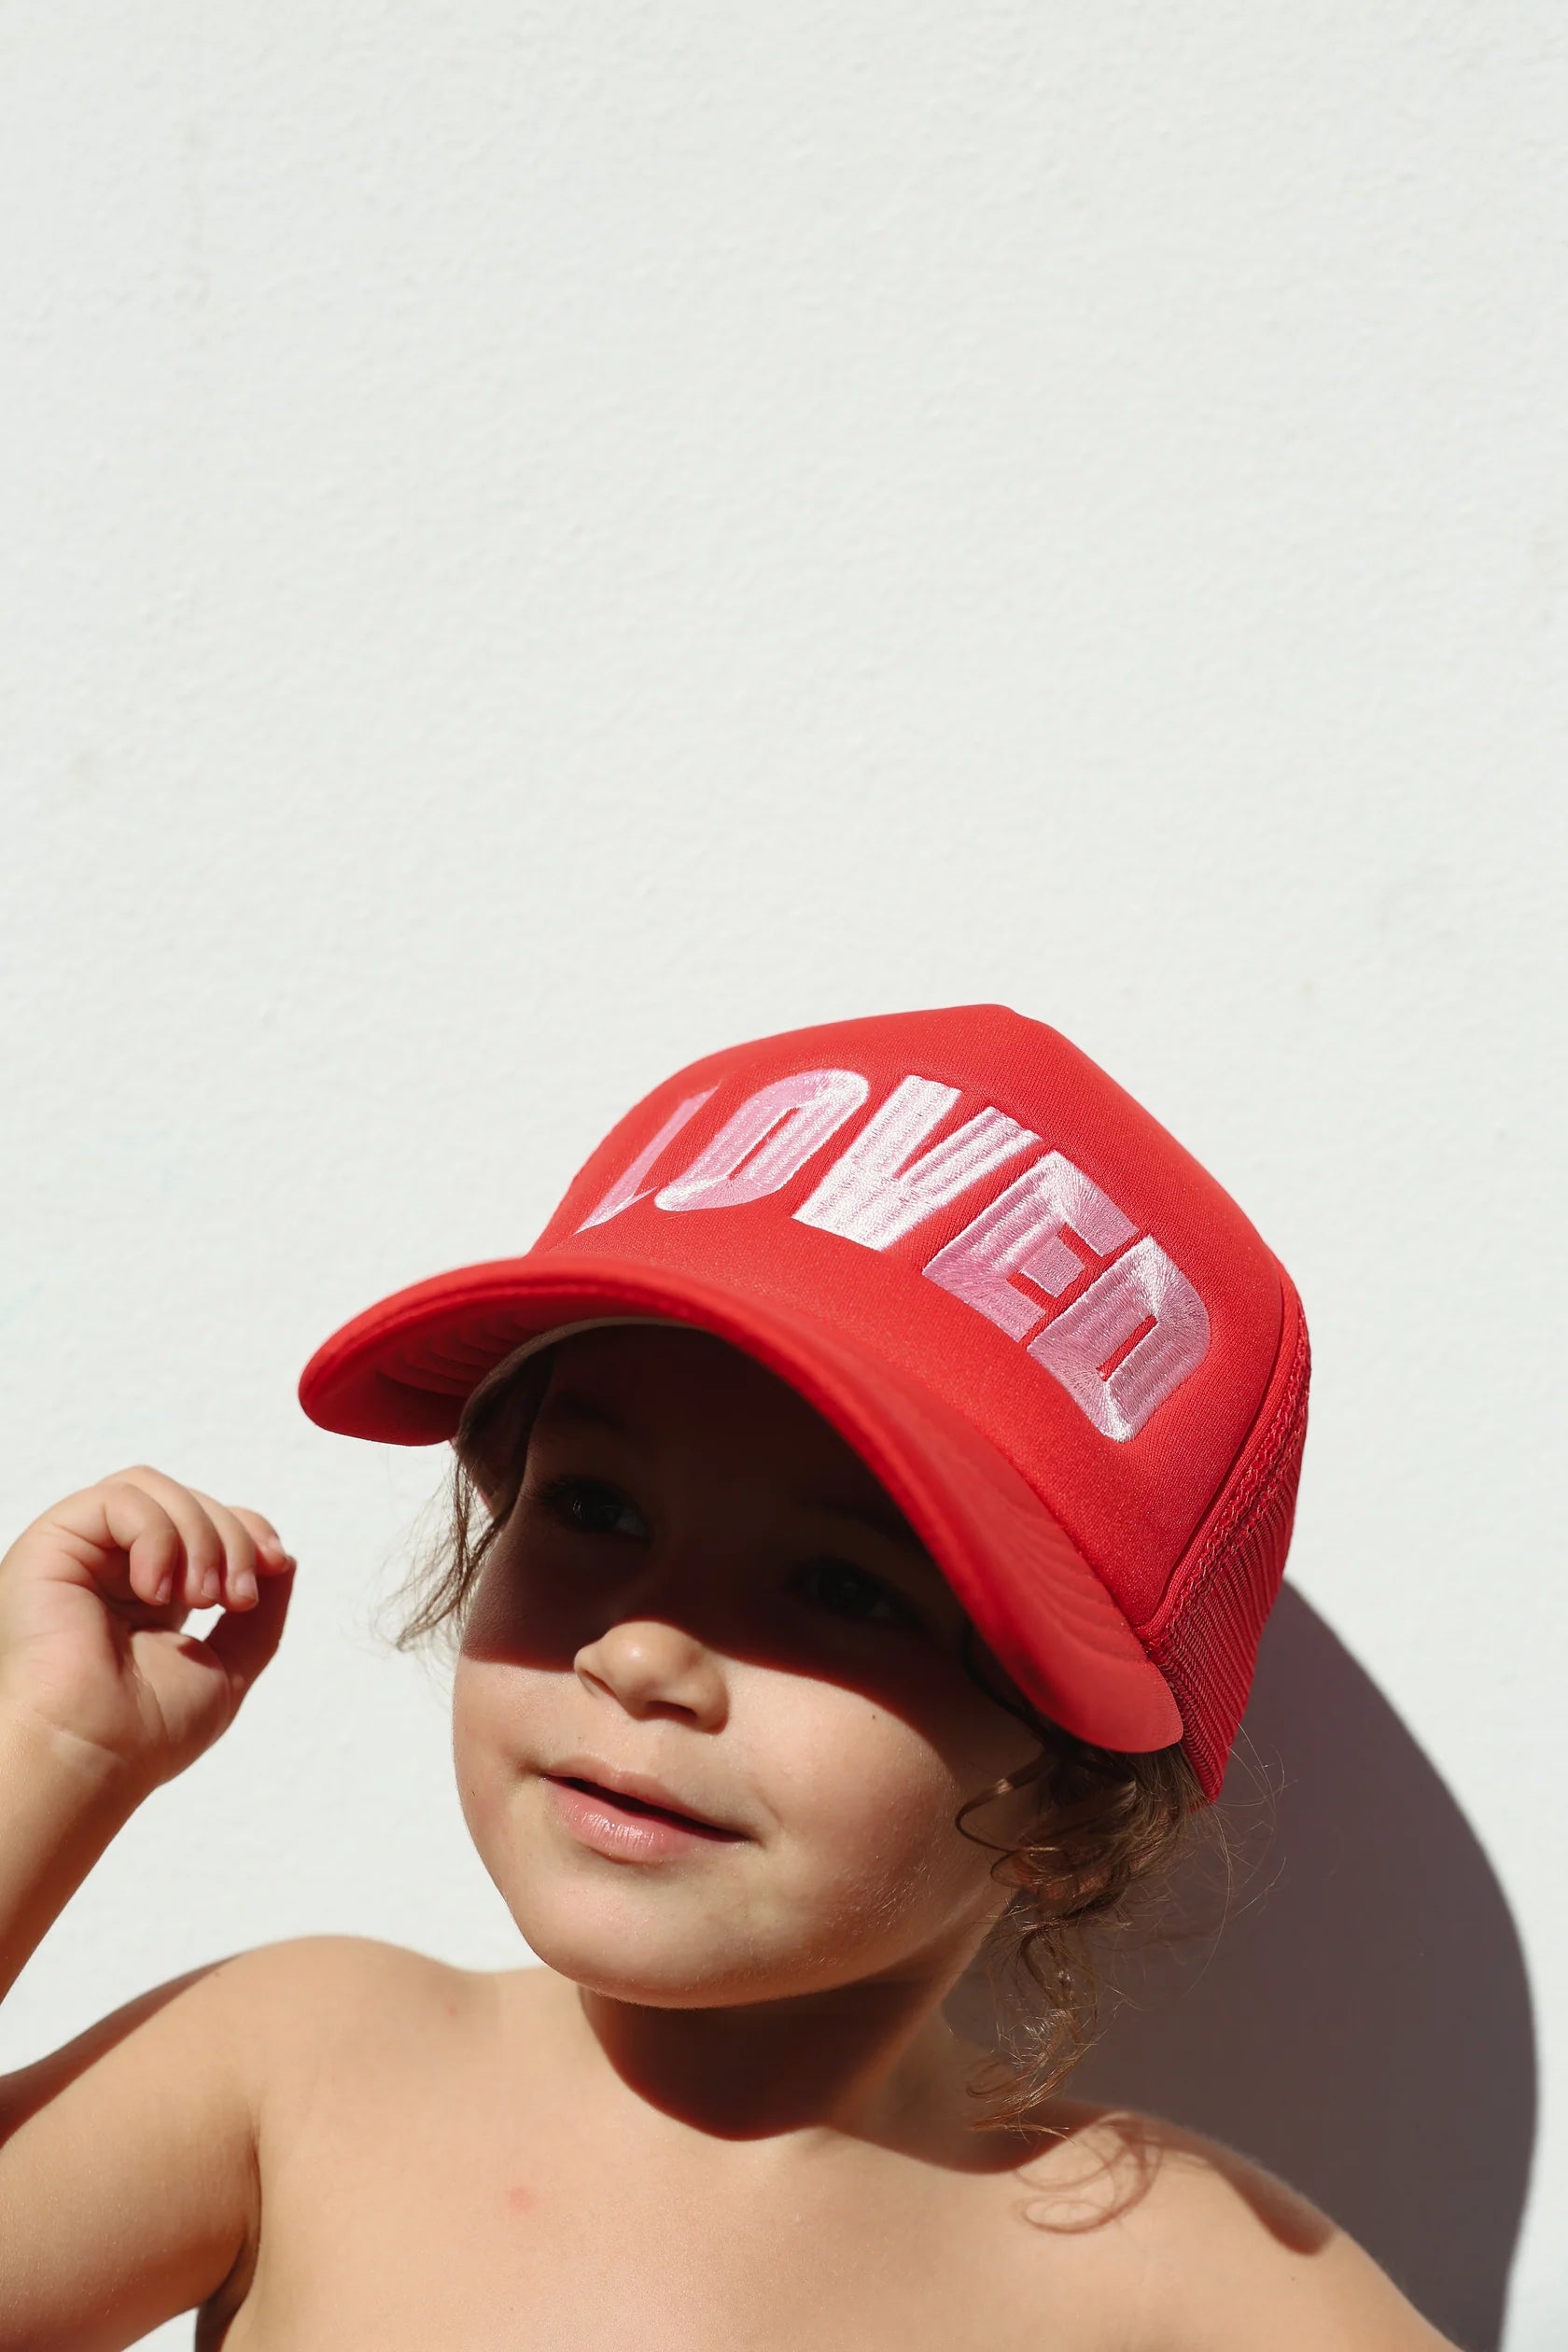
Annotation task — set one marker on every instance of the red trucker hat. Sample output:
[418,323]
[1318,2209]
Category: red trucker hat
[1065,1352]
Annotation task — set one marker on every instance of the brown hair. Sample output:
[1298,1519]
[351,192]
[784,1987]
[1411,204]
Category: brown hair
[1088,1879]
[1099,1858]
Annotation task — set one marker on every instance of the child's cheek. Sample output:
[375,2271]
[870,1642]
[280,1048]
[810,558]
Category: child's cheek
[485,1704]
[875,1800]
[524,1621]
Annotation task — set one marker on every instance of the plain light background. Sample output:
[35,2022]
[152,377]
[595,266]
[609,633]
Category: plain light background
[539,542]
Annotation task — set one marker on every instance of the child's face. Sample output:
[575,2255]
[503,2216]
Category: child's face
[702,1583]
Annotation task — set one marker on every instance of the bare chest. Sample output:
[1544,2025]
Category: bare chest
[424,2192]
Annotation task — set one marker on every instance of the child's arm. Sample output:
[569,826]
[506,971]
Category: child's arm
[127,2157]
[128,2180]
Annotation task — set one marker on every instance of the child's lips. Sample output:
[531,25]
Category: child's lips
[635,1793]
[627,1828]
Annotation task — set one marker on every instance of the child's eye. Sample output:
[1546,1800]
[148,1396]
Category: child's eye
[849,1592]
[591,1508]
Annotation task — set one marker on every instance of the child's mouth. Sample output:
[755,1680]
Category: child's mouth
[615,1803]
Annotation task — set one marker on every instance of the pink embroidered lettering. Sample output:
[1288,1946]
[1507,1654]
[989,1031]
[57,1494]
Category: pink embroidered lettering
[1093,1334]
[1124,1345]
[624,1193]
[1021,1233]
[773,1133]
[874,1193]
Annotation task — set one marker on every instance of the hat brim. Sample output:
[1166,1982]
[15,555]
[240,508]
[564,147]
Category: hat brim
[400,1372]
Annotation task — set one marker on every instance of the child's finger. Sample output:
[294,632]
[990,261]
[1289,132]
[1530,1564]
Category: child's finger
[250,1544]
[135,1538]
[243,1641]
[200,1540]
[273,1551]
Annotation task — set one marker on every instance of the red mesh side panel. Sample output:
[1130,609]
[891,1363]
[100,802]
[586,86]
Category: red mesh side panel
[1205,1639]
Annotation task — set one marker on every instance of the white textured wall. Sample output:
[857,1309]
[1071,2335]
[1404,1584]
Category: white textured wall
[536,543]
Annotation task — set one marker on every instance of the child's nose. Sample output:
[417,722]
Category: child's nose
[651,1667]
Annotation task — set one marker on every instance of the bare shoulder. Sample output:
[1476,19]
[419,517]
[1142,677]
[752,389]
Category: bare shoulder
[1216,2252]
[323,1969]
[129,2157]
[220,2025]
[316,1999]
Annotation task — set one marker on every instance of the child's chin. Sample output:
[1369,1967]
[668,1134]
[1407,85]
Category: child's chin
[652,1972]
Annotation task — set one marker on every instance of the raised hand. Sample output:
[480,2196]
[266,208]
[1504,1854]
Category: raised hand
[93,1598]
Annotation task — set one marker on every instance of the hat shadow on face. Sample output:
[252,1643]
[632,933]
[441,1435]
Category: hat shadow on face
[1362,2026]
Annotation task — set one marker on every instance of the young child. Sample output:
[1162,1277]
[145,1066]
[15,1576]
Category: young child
[868,1494]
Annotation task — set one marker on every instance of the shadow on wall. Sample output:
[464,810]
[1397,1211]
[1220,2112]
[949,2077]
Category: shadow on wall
[1363,2024]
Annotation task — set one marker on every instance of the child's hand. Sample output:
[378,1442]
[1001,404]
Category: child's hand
[88,1647]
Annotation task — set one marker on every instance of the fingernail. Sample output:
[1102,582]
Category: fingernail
[165,1585]
[245,1586]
